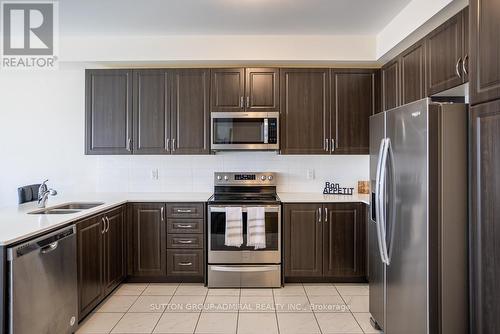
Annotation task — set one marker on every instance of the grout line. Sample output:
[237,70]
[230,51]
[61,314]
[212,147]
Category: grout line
[201,311]
[314,313]
[238,314]
[275,311]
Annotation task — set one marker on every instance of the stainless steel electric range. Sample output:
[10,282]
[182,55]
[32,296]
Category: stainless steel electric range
[244,266]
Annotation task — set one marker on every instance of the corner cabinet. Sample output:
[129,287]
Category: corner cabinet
[108,111]
[325,242]
[101,258]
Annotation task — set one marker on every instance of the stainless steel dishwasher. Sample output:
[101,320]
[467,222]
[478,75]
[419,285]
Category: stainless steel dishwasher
[42,284]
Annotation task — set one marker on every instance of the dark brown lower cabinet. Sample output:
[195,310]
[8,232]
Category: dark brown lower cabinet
[101,258]
[485,218]
[325,242]
[148,240]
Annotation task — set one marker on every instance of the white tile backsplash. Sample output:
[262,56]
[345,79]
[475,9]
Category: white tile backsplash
[195,173]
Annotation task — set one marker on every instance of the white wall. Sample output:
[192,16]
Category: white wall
[42,136]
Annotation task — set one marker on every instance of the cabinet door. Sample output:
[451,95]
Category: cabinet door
[353,102]
[262,89]
[114,248]
[444,56]
[151,111]
[485,50]
[302,243]
[305,114]
[413,73]
[344,240]
[108,112]
[149,239]
[390,85]
[228,89]
[484,217]
[90,265]
[190,112]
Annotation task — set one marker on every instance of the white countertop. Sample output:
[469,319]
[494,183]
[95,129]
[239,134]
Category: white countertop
[16,224]
[320,198]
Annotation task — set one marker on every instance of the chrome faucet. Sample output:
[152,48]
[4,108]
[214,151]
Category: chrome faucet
[43,194]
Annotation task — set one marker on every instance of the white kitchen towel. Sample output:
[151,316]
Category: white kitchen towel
[256,227]
[234,227]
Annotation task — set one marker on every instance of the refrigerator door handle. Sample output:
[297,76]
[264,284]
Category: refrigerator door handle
[377,200]
[381,200]
[392,202]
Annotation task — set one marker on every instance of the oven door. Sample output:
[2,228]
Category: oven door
[218,253]
[244,131]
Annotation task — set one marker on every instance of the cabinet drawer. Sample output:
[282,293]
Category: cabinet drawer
[185,262]
[185,226]
[185,241]
[185,210]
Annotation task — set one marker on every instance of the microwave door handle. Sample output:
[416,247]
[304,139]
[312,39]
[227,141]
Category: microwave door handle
[266,131]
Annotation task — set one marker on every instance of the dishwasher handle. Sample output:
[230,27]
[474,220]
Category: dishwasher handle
[44,244]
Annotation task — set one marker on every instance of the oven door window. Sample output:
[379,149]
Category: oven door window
[218,231]
[238,131]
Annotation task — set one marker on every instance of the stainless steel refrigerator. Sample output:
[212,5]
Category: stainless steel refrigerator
[418,219]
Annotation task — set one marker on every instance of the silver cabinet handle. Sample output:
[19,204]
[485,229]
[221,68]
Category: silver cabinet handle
[333,144]
[326,145]
[319,215]
[103,225]
[242,103]
[184,210]
[129,144]
[173,145]
[464,67]
[185,263]
[185,241]
[162,213]
[107,224]
[457,67]
[184,226]
[167,144]
[326,215]
[248,101]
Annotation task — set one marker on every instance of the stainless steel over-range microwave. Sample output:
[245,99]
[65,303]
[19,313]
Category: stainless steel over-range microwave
[245,131]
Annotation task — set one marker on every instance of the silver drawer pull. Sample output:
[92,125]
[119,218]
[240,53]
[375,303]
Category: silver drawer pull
[184,210]
[185,263]
[185,241]
[184,226]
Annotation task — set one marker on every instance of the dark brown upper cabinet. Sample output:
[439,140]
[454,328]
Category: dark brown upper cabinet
[391,82]
[108,111]
[305,111]
[413,73]
[446,55]
[149,240]
[325,242]
[485,50]
[245,89]
[228,89]
[262,89]
[353,102]
[171,111]
[152,111]
[190,119]
[484,211]
[344,239]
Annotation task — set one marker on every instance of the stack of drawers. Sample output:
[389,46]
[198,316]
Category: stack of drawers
[185,237]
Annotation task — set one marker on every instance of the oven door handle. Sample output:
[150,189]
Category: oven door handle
[243,209]
[243,269]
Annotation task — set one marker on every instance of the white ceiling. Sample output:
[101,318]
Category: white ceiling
[220,17]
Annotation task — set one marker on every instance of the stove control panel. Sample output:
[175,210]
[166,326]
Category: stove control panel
[244,178]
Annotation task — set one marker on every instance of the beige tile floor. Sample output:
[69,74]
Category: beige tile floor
[192,308]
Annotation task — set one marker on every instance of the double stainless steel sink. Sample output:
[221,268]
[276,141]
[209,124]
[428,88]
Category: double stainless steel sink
[67,208]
